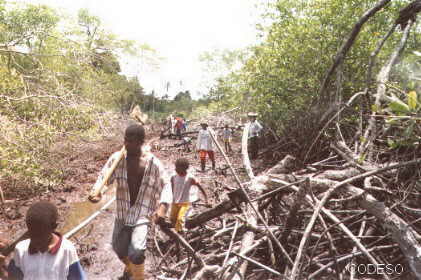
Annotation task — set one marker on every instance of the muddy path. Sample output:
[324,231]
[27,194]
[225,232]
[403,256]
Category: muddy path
[94,240]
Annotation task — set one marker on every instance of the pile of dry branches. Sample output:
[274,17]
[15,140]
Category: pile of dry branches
[351,215]
[334,217]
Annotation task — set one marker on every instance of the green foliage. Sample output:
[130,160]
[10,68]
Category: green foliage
[282,75]
[55,83]
[181,105]
[403,121]
[26,26]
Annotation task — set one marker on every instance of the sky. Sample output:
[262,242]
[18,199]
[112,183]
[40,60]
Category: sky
[179,31]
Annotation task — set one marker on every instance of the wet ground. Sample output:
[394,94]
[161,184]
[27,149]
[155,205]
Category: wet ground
[94,241]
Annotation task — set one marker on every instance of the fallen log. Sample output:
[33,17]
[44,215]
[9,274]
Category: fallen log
[163,135]
[210,214]
[401,232]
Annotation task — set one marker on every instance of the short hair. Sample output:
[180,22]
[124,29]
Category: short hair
[42,217]
[135,132]
[182,163]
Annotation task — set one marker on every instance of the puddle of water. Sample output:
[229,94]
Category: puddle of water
[80,211]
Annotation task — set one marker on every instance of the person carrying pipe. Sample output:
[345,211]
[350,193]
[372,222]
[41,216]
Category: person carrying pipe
[141,181]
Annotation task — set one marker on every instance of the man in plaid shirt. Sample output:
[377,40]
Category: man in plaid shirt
[140,179]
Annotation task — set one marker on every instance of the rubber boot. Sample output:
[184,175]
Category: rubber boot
[137,271]
[126,273]
[203,165]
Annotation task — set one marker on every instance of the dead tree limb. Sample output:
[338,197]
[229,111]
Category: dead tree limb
[354,250]
[329,121]
[178,238]
[294,272]
[244,151]
[348,43]
[210,214]
[248,200]
[230,246]
[292,216]
[382,79]
[401,232]
[344,258]
[246,242]
[260,265]
[333,250]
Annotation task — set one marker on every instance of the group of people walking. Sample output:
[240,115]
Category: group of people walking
[144,195]
[204,143]
[176,125]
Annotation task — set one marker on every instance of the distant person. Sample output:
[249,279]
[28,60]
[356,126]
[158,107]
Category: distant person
[253,137]
[140,180]
[46,254]
[184,127]
[181,183]
[169,123]
[179,127]
[226,137]
[173,126]
[204,146]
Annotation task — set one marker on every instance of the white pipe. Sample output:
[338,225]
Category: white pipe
[89,219]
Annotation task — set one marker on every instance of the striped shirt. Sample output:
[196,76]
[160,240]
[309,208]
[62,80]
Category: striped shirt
[150,191]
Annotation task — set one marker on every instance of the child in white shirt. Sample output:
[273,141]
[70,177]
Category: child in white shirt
[181,183]
[46,254]
[226,136]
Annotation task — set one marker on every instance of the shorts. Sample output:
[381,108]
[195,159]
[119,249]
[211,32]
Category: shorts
[128,241]
[178,215]
[202,155]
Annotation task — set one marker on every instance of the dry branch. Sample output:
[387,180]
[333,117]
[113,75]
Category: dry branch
[348,43]
[382,79]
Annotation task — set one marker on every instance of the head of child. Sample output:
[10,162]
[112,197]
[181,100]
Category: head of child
[226,126]
[204,126]
[41,220]
[181,166]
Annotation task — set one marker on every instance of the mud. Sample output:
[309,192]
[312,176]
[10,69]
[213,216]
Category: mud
[93,242]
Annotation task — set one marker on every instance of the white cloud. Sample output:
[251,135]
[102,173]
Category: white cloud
[178,30]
